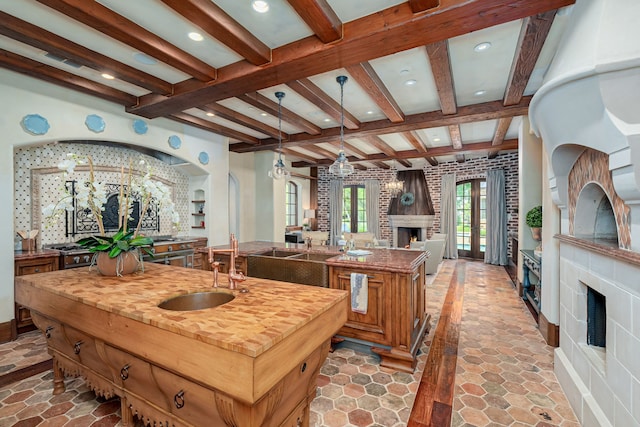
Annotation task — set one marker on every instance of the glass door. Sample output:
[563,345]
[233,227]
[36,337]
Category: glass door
[471,218]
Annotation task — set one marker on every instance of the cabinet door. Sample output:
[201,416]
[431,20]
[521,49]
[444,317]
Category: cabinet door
[374,325]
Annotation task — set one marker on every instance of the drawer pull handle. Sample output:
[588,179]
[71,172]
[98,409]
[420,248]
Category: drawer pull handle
[303,367]
[178,399]
[37,270]
[47,332]
[124,372]
[76,347]
[299,422]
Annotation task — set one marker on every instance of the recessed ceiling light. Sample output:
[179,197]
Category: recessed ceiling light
[410,82]
[480,47]
[404,72]
[436,139]
[197,37]
[210,114]
[327,120]
[263,114]
[144,59]
[480,92]
[107,76]
[369,112]
[260,6]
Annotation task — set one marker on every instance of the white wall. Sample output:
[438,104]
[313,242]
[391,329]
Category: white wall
[66,112]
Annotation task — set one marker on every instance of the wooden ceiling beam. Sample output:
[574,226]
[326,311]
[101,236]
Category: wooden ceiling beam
[470,113]
[415,141]
[422,5]
[234,116]
[320,17]
[106,21]
[455,136]
[350,148]
[40,38]
[312,93]
[405,163]
[432,161]
[29,67]
[533,34]
[213,127]
[500,133]
[510,144]
[379,144]
[364,74]
[438,54]
[215,21]
[290,152]
[265,104]
[380,34]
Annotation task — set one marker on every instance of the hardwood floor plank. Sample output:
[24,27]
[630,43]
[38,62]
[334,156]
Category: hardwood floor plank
[434,397]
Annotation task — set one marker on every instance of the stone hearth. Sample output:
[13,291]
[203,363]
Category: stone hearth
[423,222]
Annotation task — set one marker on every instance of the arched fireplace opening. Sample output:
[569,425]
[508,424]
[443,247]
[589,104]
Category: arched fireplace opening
[594,216]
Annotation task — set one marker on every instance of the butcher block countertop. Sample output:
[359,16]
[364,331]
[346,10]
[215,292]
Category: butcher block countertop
[250,324]
[380,259]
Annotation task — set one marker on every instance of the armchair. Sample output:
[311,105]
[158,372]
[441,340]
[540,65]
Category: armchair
[317,237]
[440,236]
[436,248]
[361,240]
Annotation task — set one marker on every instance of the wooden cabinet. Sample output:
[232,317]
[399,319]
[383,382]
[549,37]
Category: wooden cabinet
[31,263]
[395,319]
[200,242]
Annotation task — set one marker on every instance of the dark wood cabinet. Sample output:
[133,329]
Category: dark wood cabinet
[31,263]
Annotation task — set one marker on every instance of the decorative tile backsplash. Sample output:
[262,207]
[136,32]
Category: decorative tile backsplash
[39,182]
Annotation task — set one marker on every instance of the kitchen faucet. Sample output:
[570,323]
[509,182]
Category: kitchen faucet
[234,276]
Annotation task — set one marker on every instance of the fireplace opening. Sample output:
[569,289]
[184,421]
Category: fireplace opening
[594,217]
[407,235]
[596,319]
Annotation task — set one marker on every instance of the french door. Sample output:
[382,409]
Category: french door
[471,218]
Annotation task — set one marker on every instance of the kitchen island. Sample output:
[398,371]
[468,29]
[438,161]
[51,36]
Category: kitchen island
[252,361]
[395,321]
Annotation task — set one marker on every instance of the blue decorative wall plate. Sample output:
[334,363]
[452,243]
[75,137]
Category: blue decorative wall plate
[35,124]
[175,142]
[203,157]
[140,126]
[94,123]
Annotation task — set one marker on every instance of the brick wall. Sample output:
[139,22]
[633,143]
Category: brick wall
[470,169]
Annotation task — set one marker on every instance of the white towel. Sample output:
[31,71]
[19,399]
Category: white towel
[359,293]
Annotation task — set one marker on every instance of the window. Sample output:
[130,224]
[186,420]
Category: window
[292,203]
[354,209]
[471,213]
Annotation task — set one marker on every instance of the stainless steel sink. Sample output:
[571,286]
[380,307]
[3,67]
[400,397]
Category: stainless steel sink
[196,301]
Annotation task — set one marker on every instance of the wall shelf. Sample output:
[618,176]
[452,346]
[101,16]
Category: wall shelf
[198,209]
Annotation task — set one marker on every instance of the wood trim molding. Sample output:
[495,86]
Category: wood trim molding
[550,331]
[8,331]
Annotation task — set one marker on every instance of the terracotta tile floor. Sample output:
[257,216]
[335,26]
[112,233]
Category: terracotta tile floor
[504,372]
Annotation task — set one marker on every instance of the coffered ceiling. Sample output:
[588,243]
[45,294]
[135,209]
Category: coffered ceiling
[420,87]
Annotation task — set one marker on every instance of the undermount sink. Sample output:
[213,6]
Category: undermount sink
[196,301]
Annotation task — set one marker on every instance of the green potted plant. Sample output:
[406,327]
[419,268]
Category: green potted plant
[534,220]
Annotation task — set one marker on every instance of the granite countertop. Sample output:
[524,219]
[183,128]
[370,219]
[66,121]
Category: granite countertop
[250,324]
[380,259]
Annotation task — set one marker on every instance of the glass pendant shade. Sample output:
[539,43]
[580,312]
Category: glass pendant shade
[279,170]
[341,167]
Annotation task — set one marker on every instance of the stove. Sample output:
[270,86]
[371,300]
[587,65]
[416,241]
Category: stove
[72,255]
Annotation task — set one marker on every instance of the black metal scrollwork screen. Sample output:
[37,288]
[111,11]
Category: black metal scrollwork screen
[81,221]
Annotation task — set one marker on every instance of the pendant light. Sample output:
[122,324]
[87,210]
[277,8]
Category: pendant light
[279,170]
[341,167]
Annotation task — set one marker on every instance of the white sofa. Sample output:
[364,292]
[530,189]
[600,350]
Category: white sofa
[317,237]
[436,249]
[361,240]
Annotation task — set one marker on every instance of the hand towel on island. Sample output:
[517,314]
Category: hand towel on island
[359,293]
